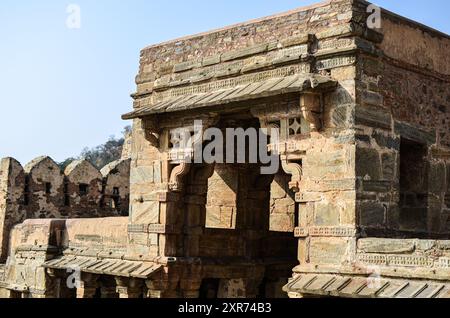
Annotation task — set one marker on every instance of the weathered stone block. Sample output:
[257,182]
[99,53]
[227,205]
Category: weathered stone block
[326,214]
[326,251]
[384,140]
[145,213]
[413,133]
[377,186]
[386,246]
[141,175]
[282,222]
[318,166]
[389,166]
[437,178]
[372,214]
[368,163]
[377,118]
[414,219]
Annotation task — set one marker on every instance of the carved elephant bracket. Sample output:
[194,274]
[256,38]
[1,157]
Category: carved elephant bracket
[176,176]
[295,170]
[311,106]
[151,131]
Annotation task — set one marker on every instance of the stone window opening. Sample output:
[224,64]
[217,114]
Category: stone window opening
[413,186]
[66,194]
[83,189]
[115,203]
[115,199]
[48,188]
[26,197]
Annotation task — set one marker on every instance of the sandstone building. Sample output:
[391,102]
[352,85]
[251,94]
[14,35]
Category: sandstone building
[359,208]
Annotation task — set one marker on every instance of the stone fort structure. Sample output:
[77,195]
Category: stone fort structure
[359,207]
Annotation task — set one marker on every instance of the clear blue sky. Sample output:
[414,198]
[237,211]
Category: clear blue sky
[63,89]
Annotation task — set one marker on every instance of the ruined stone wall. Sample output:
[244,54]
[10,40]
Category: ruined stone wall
[31,244]
[83,188]
[116,186]
[42,191]
[12,181]
[403,118]
[44,183]
[34,242]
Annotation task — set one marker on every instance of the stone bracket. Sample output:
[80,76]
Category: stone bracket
[311,106]
[151,131]
[295,170]
[176,176]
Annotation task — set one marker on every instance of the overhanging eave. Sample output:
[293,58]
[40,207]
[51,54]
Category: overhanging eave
[268,88]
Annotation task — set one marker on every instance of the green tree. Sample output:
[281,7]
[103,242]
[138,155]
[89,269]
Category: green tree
[103,154]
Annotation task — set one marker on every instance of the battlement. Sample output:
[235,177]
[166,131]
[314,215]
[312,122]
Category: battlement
[41,190]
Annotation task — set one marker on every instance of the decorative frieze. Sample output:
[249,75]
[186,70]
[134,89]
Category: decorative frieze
[335,44]
[399,260]
[137,228]
[335,62]
[410,261]
[151,228]
[301,232]
[325,231]
[305,197]
[373,259]
[328,231]
[161,229]
[443,262]
[233,82]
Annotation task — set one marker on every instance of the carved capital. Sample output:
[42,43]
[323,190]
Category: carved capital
[151,131]
[295,170]
[311,107]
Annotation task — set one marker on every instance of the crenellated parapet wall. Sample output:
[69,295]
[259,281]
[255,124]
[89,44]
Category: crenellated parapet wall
[41,190]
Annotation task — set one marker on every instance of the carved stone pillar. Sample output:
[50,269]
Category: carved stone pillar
[190,288]
[195,211]
[129,287]
[161,289]
[108,292]
[239,288]
[87,286]
[311,107]
[86,289]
